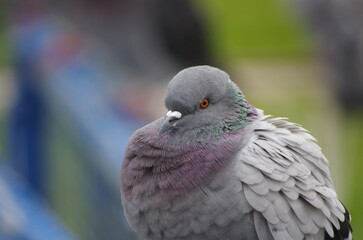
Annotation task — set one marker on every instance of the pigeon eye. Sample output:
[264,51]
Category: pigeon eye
[204,103]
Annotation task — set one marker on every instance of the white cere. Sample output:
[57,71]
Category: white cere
[174,114]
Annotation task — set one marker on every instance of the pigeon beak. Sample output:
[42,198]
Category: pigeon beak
[170,120]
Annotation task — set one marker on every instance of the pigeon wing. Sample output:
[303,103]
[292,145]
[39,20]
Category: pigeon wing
[286,180]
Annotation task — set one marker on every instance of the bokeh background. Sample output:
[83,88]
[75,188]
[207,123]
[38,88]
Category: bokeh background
[77,77]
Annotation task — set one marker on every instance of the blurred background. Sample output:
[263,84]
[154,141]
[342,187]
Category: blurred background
[77,77]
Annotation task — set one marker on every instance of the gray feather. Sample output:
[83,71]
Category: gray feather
[262,228]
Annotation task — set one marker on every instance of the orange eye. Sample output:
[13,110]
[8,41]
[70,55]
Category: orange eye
[204,103]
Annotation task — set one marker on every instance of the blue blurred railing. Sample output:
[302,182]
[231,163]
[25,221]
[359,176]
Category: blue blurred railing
[23,215]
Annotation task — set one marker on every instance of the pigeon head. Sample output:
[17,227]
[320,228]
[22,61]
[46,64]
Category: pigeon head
[204,97]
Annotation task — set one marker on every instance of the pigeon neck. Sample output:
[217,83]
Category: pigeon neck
[241,114]
[160,166]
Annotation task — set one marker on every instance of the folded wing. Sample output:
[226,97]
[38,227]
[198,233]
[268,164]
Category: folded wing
[286,180]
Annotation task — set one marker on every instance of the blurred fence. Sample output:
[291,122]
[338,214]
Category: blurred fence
[23,214]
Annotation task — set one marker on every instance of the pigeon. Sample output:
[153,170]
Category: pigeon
[216,168]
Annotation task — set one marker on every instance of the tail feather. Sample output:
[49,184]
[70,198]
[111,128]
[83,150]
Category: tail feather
[345,231]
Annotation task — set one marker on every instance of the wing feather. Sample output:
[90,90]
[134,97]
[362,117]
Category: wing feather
[260,203]
[262,229]
[261,188]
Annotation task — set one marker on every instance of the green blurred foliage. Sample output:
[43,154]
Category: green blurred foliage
[254,29]
[352,139]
